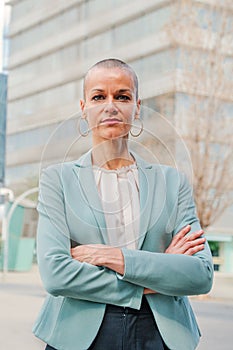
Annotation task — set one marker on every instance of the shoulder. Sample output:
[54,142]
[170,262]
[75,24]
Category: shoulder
[158,168]
[163,173]
[62,168]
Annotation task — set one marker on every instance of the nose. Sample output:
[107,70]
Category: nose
[110,108]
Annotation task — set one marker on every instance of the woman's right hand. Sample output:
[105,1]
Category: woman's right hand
[149,291]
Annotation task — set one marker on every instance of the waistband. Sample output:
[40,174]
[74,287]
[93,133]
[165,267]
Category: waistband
[145,308]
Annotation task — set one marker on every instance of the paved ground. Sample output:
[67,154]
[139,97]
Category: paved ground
[215,319]
[21,296]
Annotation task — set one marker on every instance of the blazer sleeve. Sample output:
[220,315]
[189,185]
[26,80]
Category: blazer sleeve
[173,274]
[62,275]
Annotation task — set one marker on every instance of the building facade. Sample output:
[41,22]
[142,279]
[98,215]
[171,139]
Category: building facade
[3,110]
[52,46]
[53,43]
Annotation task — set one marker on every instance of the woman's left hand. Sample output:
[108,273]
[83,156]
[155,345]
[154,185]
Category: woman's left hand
[89,253]
[100,255]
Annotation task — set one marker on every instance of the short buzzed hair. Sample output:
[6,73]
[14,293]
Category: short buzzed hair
[113,63]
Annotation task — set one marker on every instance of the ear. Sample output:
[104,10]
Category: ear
[138,108]
[82,105]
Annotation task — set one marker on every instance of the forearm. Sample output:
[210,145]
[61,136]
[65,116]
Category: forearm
[113,258]
[114,261]
[169,274]
[62,275]
[105,256]
[100,255]
[88,282]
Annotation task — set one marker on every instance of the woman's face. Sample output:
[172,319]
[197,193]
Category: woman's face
[110,104]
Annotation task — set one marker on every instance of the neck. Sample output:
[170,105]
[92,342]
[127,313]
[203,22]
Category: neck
[112,154]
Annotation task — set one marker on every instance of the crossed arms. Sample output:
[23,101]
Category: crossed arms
[109,275]
[113,258]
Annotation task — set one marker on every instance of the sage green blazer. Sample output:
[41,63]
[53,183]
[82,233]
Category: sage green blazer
[70,213]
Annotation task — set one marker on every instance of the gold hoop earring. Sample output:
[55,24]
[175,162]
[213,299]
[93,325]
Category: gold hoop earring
[141,128]
[86,132]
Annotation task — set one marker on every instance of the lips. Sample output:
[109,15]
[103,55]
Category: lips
[111,121]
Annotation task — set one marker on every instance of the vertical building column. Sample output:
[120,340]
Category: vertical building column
[3,113]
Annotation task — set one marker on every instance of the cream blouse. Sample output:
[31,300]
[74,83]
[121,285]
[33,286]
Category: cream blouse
[119,193]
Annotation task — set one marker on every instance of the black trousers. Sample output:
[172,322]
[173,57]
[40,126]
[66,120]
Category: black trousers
[127,329]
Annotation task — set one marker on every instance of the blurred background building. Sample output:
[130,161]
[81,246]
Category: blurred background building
[3,108]
[3,92]
[181,50]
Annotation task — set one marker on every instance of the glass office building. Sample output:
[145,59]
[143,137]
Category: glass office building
[52,44]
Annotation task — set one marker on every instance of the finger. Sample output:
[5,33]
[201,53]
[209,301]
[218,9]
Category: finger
[181,234]
[190,238]
[194,250]
[194,235]
[195,242]
[191,244]
[184,231]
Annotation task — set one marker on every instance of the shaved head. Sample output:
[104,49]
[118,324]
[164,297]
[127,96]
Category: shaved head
[110,63]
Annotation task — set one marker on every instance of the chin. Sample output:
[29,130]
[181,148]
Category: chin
[112,134]
[115,134]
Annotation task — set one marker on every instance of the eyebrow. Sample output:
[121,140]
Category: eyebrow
[118,91]
[124,90]
[99,90]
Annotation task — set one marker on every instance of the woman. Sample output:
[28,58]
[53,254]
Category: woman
[119,243]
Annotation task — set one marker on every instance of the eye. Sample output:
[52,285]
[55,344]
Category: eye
[98,97]
[122,98]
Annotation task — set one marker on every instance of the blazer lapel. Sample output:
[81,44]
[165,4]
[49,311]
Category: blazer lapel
[146,191]
[153,196]
[89,192]
[150,200]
